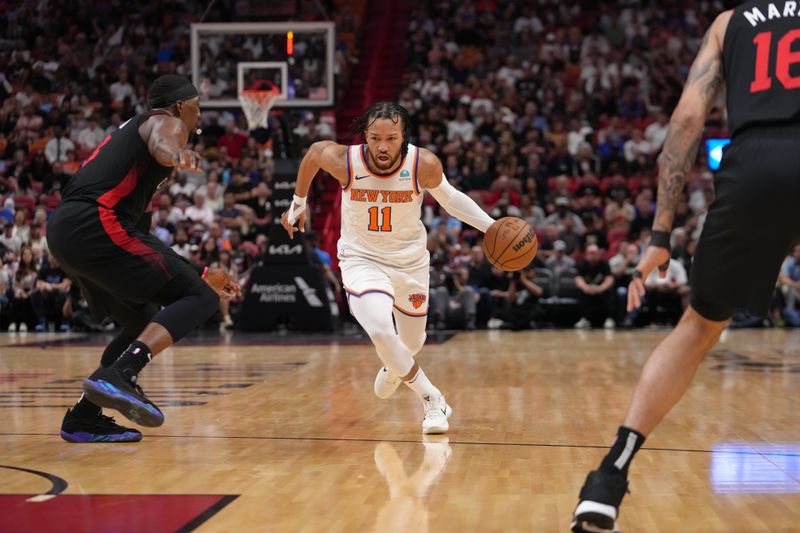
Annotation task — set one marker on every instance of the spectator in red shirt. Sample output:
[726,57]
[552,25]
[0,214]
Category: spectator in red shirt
[500,187]
[233,140]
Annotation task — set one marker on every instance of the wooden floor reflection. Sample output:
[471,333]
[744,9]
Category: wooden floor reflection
[291,438]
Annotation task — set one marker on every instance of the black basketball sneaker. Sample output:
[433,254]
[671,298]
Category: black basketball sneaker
[95,428]
[108,387]
[600,499]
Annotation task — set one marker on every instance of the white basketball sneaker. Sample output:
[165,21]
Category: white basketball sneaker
[436,414]
[386,383]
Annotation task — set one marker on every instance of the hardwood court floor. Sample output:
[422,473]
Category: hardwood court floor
[291,438]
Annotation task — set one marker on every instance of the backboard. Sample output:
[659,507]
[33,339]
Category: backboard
[296,56]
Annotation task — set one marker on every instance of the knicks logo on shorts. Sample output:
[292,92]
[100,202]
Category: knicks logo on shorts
[417,300]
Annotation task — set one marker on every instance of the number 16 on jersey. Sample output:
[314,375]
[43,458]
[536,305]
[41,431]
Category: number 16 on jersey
[784,59]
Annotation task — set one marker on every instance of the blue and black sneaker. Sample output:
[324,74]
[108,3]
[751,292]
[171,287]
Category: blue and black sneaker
[95,427]
[108,387]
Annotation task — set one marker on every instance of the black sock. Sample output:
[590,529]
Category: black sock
[133,360]
[117,346]
[85,408]
[622,451]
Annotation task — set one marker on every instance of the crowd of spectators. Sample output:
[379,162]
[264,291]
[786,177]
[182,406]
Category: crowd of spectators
[70,74]
[554,112]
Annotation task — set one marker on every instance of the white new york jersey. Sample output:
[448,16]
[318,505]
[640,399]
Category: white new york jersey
[381,213]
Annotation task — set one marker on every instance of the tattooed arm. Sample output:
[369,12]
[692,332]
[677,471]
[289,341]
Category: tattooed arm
[680,150]
[685,131]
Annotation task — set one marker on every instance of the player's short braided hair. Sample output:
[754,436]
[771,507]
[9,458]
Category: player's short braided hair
[383,110]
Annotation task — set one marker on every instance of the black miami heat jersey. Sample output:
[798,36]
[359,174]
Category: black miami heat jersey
[761,61]
[120,175]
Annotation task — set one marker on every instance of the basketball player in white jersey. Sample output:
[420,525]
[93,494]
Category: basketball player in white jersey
[382,250]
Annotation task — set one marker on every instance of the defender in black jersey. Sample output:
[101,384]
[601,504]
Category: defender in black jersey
[100,235]
[754,51]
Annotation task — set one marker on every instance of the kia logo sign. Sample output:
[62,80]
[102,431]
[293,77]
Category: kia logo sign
[286,249]
[283,185]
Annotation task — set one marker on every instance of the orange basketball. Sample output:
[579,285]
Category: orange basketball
[510,244]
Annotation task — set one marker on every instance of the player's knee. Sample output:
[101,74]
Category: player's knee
[209,299]
[701,328]
[209,296]
[203,300]
[416,344]
[381,337]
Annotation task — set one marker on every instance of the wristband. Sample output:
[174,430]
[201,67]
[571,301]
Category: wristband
[205,271]
[297,208]
[660,239]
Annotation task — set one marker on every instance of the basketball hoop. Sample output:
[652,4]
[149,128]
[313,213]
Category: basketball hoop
[256,105]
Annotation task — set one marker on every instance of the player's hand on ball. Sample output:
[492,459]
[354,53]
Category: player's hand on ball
[222,283]
[653,257]
[190,160]
[290,228]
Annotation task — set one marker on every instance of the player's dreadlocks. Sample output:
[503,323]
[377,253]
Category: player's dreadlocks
[383,110]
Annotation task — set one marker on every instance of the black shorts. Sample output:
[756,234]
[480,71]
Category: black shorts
[122,272]
[751,224]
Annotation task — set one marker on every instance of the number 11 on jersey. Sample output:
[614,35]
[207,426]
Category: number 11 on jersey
[386,219]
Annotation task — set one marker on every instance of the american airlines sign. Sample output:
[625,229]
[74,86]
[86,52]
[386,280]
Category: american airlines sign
[286,293]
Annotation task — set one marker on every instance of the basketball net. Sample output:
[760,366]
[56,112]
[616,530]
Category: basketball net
[256,104]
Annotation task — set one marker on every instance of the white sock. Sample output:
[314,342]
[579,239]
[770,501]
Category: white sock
[422,385]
